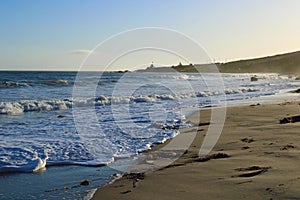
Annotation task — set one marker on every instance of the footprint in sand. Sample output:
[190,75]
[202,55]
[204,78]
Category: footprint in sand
[287,147]
[248,140]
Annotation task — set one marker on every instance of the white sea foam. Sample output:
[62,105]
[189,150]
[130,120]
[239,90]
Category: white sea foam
[56,104]
[90,194]
[34,165]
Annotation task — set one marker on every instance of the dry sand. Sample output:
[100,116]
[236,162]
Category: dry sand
[263,162]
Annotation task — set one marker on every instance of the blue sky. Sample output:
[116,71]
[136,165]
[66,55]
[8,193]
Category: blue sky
[57,35]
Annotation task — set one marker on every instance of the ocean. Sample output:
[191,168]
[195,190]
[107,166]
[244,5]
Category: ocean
[58,129]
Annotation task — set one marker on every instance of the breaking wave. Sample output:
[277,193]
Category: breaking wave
[12,84]
[53,83]
[57,83]
[47,105]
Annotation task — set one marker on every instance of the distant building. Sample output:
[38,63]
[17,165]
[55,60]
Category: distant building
[151,66]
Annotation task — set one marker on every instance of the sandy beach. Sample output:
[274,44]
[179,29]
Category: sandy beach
[256,157]
[158,100]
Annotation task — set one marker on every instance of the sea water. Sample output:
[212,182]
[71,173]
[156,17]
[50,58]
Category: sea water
[49,142]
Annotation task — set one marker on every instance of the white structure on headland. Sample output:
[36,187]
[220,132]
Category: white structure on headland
[151,66]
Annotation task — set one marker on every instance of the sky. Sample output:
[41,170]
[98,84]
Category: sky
[60,35]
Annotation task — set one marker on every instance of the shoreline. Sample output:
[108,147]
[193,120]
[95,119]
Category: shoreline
[123,188]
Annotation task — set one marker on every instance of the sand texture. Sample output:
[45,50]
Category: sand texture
[256,157]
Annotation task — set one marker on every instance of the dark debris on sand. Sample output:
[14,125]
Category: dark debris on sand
[292,119]
[251,171]
[135,177]
[287,147]
[212,156]
[251,174]
[126,192]
[296,91]
[251,168]
[204,123]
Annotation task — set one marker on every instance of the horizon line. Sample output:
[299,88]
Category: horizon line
[215,62]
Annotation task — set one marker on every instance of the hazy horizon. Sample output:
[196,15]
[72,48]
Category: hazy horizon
[137,67]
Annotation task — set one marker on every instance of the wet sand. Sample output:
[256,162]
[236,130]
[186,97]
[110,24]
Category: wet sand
[256,157]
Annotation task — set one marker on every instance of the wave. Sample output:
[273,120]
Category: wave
[47,105]
[54,83]
[35,165]
[12,84]
[33,105]
[176,77]
[59,82]
[19,159]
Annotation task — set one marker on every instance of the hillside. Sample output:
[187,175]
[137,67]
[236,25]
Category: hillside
[283,63]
